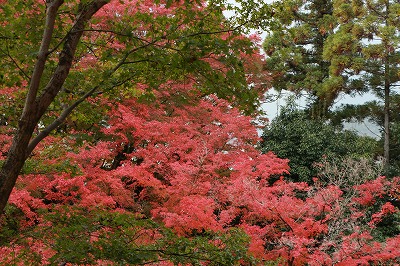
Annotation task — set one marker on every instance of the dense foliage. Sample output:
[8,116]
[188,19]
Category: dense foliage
[194,169]
[306,142]
[112,49]
[331,48]
[364,53]
[137,145]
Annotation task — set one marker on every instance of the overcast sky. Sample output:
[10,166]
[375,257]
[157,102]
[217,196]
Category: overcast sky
[365,128]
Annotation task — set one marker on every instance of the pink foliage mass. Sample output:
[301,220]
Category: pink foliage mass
[194,166]
[197,169]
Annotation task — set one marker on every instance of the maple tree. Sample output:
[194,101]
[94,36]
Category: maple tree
[91,48]
[196,170]
[160,165]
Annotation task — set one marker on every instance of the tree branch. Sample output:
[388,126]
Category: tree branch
[66,112]
[51,14]
[66,56]
[17,65]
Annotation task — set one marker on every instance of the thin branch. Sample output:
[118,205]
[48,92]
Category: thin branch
[105,31]
[137,61]
[58,44]
[283,220]
[90,49]
[370,130]
[374,9]
[123,60]
[66,112]
[216,32]
[17,65]
[45,132]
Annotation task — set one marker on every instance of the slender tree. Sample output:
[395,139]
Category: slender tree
[364,51]
[39,96]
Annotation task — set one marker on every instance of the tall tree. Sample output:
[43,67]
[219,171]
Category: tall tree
[294,50]
[364,51]
[91,48]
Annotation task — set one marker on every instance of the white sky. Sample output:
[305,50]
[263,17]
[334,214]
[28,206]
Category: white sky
[364,128]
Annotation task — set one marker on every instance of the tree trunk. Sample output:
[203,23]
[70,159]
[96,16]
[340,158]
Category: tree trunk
[15,160]
[36,106]
[386,145]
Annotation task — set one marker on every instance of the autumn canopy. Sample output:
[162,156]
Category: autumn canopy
[128,136]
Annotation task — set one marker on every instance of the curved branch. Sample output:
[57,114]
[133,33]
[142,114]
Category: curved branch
[17,65]
[57,122]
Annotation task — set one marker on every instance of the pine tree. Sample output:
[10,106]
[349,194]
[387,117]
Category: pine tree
[294,50]
[364,51]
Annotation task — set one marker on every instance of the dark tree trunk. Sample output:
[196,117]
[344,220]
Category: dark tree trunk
[386,145]
[35,106]
[12,166]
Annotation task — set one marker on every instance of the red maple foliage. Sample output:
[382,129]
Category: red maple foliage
[195,168]
[191,162]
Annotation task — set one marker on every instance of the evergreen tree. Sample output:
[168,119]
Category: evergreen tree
[364,51]
[294,50]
